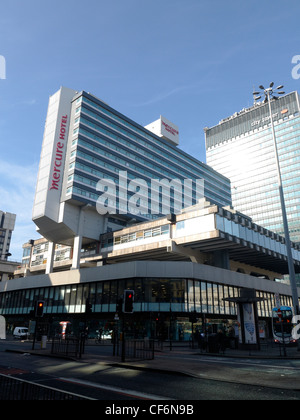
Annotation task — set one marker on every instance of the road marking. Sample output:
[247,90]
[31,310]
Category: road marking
[123,391]
[12,371]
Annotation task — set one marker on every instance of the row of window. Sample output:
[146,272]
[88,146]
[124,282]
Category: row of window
[139,142]
[109,240]
[176,155]
[176,295]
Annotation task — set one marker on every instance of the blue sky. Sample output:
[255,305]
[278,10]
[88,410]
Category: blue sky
[192,61]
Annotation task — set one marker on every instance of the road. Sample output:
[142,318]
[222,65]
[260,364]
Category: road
[219,378]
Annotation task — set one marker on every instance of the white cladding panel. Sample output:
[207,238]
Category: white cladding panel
[50,175]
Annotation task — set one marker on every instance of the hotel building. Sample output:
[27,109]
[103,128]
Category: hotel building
[183,267]
[85,141]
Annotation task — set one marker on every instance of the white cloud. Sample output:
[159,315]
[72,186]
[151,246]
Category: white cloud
[17,191]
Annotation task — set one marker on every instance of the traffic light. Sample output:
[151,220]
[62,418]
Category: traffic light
[128,301]
[120,306]
[193,318]
[88,307]
[39,308]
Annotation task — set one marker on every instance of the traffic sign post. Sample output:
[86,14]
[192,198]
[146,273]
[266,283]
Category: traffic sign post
[279,314]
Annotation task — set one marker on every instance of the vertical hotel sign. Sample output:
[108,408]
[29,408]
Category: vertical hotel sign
[59,153]
[50,178]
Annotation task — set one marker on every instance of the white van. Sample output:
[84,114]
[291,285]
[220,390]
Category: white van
[21,332]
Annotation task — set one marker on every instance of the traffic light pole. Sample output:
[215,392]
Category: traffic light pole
[38,313]
[290,261]
[123,337]
[34,335]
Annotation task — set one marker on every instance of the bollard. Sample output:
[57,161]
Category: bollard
[44,342]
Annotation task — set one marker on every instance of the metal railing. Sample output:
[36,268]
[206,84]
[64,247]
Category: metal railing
[69,347]
[138,349]
[13,389]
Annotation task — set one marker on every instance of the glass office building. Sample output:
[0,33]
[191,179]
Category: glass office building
[241,148]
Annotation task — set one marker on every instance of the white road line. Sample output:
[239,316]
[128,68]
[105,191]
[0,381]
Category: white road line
[118,390]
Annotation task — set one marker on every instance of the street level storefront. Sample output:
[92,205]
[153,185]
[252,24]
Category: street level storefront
[171,300]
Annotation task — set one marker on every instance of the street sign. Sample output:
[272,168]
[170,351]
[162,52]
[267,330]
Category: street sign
[279,313]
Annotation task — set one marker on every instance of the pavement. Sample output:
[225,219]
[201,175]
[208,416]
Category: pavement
[268,367]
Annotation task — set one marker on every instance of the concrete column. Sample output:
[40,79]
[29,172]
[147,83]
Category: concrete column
[76,252]
[50,258]
[221,259]
[78,239]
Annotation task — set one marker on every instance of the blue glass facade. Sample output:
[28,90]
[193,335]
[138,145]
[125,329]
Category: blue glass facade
[242,149]
[182,295]
[104,143]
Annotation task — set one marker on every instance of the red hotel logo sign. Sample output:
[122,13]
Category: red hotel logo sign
[57,170]
[170,129]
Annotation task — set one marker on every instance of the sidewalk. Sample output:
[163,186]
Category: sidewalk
[232,366]
[267,351]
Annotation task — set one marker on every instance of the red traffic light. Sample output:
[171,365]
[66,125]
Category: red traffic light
[128,301]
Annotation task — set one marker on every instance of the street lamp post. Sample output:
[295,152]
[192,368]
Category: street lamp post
[269,95]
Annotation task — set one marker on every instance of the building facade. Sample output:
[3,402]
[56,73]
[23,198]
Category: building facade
[167,294]
[204,233]
[7,225]
[91,151]
[184,270]
[241,148]
[184,266]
